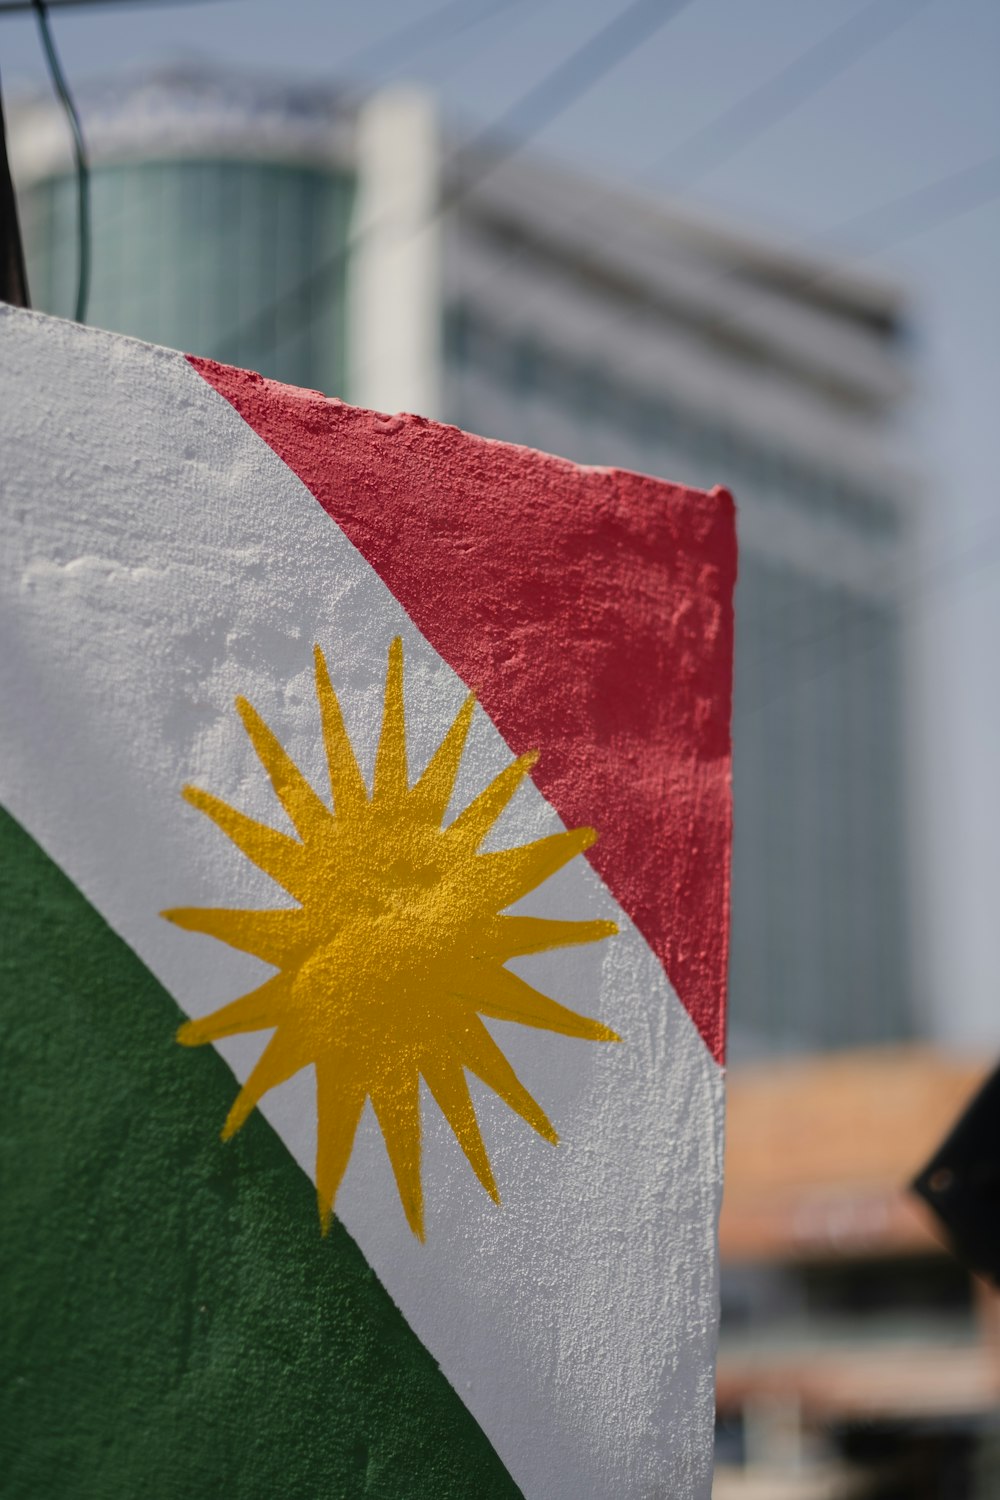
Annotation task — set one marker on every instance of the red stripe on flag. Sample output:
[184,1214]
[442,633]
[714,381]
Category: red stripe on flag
[590,609]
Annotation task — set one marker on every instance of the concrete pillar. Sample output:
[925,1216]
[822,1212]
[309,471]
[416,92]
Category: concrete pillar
[394,316]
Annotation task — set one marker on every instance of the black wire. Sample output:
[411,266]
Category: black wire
[79,156]
[570,79]
[730,132]
[12,7]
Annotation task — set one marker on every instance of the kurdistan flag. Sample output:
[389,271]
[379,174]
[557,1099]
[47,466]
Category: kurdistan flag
[385,769]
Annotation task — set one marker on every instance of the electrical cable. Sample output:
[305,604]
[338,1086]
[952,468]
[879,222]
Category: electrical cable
[499,24]
[926,207]
[563,86]
[11,7]
[571,78]
[79,156]
[901,219]
[895,222]
[738,126]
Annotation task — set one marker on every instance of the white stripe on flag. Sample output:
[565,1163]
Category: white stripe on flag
[159,561]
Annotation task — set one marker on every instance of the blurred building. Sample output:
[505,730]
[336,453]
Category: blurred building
[212,200]
[299,233]
[857,1358]
[348,245]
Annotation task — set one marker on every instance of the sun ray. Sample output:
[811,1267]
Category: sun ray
[347,785]
[297,797]
[340,1100]
[504,996]
[396,949]
[483,1057]
[272,936]
[397,1109]
[275,853]
[391,777]
[431,793]
[472,825]
[280,1059]
[510,937]
[258,1011]
[504,877]
[447,1082]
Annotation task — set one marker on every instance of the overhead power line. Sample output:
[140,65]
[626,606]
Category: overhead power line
[562,87]
[13,277]
[737,127]
[10,7]
[891,223]
[894,223]
[883,227]
[567,82]
[924,208]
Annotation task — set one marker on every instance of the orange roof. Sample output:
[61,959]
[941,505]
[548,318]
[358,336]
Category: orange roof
[819,1151]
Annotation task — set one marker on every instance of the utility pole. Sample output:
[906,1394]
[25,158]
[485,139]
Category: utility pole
[13,278]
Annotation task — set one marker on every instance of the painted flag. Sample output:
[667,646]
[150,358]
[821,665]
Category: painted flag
[365,856]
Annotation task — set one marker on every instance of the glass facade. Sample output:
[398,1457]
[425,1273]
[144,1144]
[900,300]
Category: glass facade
[188,253]
[819,942]
[819,948]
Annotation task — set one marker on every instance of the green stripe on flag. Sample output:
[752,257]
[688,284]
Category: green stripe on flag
[172,1323]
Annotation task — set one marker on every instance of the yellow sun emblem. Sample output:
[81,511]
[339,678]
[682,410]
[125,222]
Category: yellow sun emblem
[397,945]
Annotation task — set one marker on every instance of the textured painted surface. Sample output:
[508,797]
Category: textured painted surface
[173,1325]
[161,560]
[397,949]
[597,622]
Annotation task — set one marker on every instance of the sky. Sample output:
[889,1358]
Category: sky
[922,104]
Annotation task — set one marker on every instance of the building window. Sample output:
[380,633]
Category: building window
[239,260]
